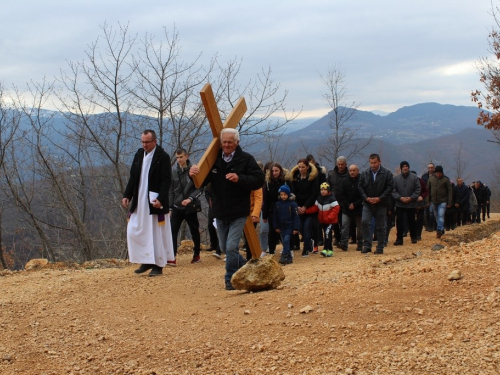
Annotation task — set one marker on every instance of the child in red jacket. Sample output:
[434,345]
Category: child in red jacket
[328,209]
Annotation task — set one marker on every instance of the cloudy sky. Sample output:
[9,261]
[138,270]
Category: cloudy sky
[394,52]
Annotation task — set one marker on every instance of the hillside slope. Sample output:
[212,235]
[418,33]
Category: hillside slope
[395,313]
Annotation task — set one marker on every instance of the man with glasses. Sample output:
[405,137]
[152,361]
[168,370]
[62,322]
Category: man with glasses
[149,237]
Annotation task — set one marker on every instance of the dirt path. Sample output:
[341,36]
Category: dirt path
[392,314]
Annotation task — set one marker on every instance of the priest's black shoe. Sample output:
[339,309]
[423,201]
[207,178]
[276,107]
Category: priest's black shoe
[156,271]
[143,268]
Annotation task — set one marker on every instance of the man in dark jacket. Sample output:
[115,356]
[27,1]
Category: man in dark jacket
[334,179]
[183,198]
[233,176]
[351,204]
[149,237]
[480,194]
[440,197]
[405,194]
[462,202]
[375,186]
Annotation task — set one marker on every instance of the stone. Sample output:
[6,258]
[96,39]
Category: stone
[437,247]
[306,310]
[455,275]
[258,274]
[35,264]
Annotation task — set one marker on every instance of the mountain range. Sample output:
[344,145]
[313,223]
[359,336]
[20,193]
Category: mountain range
[422,133]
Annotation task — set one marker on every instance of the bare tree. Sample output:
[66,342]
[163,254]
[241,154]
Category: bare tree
[460,163]
[342,139]
[266,105]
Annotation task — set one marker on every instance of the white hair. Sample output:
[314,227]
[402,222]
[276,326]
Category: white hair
[342,159]
[234,132]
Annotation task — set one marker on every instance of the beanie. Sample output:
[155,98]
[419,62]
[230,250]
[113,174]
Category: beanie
[438,169]
[284,189]
[403,163]
[324,185]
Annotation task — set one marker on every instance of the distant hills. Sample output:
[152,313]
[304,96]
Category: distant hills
[419,134]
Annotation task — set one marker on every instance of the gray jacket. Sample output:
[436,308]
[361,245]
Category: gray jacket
[182,186]
[406,186]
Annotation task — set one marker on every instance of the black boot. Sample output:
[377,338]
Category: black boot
[156,271]
[144,267]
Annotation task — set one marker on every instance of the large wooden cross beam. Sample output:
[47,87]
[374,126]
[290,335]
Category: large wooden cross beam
[210,156]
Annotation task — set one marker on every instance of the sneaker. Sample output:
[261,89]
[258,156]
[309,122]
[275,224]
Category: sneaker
[229,286]
[305,253]
[217,255]
[196,259]
[315,250]
[172,263]
[263,254]
[224,259]
[366,250]
[379,251]
[439,234]
[329,253]
[324,252]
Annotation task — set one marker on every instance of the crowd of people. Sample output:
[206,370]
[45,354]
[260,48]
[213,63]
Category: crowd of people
[304,206]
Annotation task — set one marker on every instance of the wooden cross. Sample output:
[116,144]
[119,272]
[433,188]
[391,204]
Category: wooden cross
[210,156]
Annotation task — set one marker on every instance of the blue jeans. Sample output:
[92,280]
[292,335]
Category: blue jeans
[439,211]
[286,243]
[306,222]
[378,213]
[264,234]
[229,232]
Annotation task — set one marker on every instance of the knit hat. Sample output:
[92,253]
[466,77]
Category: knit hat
[284,189]
[403,163]
[324,185]
[438,169]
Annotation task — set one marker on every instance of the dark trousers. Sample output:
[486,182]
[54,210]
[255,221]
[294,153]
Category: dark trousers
[273,237]
[212,232]
[178,216]
[420,221]
[378,213]
[401,212]
[328,229]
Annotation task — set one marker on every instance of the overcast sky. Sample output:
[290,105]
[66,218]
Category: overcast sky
[394,52]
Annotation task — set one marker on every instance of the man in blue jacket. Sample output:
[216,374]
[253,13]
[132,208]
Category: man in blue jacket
[375,186]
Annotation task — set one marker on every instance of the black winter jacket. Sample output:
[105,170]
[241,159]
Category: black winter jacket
[159,179]
[349,193]
[231,200]
[382,186]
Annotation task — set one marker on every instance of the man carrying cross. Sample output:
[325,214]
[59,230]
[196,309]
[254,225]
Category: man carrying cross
[234,175]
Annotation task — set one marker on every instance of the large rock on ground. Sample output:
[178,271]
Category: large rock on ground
[258,274]
[35,264]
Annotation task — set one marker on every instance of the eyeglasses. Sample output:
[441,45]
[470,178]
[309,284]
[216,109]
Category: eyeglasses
[147,142]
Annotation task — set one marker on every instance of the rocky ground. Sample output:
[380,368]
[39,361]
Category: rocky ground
[396,313]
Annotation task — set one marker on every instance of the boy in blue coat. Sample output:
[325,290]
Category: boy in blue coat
[286,221]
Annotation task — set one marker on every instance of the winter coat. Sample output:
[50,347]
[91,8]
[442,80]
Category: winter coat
[382,186]
[406,185]
[307,189]
[255,202]
[440,190]
[334,179]
[327,209]
[231,200]
[463,196]
[349,193]
[286,216]
[159,179]
[182,187]
[271,195]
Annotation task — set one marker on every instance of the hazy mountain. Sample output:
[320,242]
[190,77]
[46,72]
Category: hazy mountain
[418,134]
[406,125]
